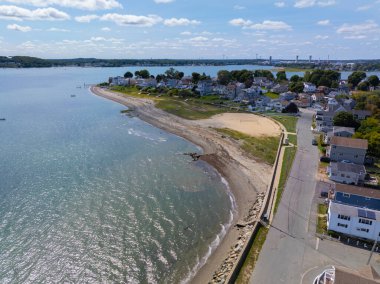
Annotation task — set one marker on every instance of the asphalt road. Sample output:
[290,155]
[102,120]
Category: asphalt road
[282,257]
[292,254]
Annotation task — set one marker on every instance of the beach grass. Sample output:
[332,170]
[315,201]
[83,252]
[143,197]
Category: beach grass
[190,108]
[289,155]
[253,256]
[263,148]
[289,122]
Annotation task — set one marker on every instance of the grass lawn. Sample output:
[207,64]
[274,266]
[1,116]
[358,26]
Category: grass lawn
[322,219]
[272,95]
[289,122]
[289,154]
[292,139]
[253,255]
[263,148]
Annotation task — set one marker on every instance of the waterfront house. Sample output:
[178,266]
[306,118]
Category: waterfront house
[204,87]
[354,211]
[117,81]
[347,173]
[347,149]
[318,97]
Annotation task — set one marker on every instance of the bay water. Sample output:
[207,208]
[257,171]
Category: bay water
[89,195]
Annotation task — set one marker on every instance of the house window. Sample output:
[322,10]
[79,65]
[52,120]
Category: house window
[347,176]
[334,147]
[342,175]
[346,195]
[356,156]
[344,217]
[365,221]
[344,225]
[363,230]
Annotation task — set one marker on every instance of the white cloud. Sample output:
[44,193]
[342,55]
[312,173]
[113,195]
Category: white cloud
[180,22]
[238,7]
[359,29]
[58,30]
[86,18]
[265,25]
[106,29]
[99,38]
[163,1]
[363,8]
[311,3]
[280,4]
[324,22]
[240,22]
[132,20]
[186,33]
[78,4]
[199,38]
[19,14]
[16,27]
[356,37]
[323,37]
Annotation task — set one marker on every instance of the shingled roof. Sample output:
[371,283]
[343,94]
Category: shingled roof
[349,142]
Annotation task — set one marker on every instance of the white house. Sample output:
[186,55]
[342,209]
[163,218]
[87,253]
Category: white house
[204,87]
[117,81]
[355,211]
[309,87]
[347,173]
[354,221]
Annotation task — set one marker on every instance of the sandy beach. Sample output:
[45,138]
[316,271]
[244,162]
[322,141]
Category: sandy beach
[247,178]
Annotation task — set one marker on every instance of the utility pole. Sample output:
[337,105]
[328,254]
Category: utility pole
[372,250]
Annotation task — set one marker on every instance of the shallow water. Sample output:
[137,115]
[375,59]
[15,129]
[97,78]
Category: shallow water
[90,195]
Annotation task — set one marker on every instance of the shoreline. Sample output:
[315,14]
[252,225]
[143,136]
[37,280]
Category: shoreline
[247,178]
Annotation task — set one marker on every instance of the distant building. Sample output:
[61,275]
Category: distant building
[204,87]
[347,149]
[339,131]
[117,81]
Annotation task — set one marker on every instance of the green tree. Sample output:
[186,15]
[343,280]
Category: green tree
[345,119]
[142,74]
[296,87]
[290,108]
[363,86]
[128,74]
[264,73]
[370,129]
[172,73]
[295,78]
[224,77]
[356,77]
[281,76]
[195,77]
[373,80]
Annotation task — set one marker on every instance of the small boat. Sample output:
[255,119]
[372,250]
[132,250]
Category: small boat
[73,96]
[2,119]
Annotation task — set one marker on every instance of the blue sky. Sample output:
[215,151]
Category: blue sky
[341,29]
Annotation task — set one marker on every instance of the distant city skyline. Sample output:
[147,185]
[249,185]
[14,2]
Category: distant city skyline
[184,29]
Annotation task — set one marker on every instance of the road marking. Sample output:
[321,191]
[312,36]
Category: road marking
[317,244]
[306,272]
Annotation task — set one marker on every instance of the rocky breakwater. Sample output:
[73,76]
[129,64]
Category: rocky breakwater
[245,228]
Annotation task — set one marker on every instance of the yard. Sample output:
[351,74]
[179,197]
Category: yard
[289,122]
[322,219]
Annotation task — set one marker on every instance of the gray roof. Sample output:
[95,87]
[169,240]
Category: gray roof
[347,167]
[341,128]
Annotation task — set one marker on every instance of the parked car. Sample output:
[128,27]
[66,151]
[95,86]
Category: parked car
[325,159]
[314,141]
[324,194]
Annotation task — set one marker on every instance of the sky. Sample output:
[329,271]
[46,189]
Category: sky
[191,29]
